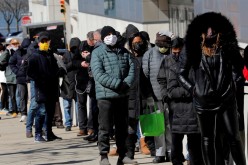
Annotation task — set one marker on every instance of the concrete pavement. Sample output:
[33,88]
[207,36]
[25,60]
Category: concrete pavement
[16,149]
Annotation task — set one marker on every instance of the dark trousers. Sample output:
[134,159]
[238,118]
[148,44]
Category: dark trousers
[194,148]
[229,123]
[12,95]
[58,117]
[4,96]
[50,110]
[113,111]
[23,94]
[82,112]
[93,114]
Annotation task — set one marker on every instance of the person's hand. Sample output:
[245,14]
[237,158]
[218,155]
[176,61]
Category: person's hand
[85,54]
[84,64]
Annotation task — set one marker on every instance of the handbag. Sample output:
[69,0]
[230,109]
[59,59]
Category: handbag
[152,124]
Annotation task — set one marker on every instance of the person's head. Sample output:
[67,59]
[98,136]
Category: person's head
[210,41]
[44,41]
[74,45]
[97,36]
[90,38]
[163,41]
[108,35]
[14,43]
[130,30]
[177,45]
[137,44]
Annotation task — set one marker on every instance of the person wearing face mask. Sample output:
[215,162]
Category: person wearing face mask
[183,119]
[138,94]
[68,92]
[151,63]
[212,51]
[15,63]
[114,72]
[10,76]
[44,72]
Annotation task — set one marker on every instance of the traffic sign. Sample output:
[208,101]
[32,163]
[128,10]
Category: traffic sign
[26,20]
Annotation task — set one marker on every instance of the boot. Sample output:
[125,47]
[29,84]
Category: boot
[126,160]
[143,147]
[130,144]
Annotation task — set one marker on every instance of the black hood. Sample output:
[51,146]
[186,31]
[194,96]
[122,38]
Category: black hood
[25,43]
[200,24]
[75,42]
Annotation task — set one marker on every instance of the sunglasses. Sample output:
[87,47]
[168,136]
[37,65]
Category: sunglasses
[15,43]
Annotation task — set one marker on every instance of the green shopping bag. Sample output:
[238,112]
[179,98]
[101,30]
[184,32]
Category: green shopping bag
[152,124]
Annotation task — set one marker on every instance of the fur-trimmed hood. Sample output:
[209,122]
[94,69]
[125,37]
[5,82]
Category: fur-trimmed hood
[200,24]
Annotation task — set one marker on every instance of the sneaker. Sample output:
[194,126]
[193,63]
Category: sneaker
[126,160]
[104,161]
[29,134]
[23,118]
[67,128]
[39,139]
[14,115]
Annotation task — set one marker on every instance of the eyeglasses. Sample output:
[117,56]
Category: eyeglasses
[15,43]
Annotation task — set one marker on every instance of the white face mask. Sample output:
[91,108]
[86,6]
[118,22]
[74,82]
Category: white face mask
[110,40]
[14,48]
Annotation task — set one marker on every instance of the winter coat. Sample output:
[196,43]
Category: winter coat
[81,76]
[182,115]
[152,60]
[16,62]
[214,87]
[68,83]
[112,69]
[4,62]
[43,69]
[139,91]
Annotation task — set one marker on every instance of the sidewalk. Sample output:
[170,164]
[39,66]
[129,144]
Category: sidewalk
[16,149]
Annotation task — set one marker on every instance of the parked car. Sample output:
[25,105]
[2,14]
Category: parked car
[2,38]
[18,35]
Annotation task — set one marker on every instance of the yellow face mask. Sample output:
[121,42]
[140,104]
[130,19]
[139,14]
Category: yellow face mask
[163,50]
[44,46]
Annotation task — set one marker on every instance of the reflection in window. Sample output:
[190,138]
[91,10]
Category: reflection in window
[109,7]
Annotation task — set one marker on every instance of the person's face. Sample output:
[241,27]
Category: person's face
[97,37]
[14,43]
[176,51]
[90,42]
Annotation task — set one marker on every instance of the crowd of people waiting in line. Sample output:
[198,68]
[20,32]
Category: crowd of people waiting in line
[193,81]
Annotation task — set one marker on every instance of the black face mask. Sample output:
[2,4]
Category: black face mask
[139,47]
[210,41]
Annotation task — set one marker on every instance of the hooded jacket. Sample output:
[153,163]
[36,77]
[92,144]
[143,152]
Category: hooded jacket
[68,84]
[214,87]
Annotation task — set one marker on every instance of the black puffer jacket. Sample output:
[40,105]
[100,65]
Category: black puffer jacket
[214,87]
[182,116]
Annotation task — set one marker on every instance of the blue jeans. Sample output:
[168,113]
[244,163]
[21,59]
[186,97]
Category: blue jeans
[36,111]
[67,103]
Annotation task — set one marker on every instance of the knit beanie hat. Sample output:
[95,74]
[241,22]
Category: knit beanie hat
[163,39]
[130,30]
[106,30]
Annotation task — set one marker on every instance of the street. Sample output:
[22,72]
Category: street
[16,149]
